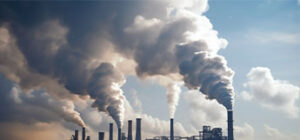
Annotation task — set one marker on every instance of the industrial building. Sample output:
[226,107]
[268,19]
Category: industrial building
[207,132]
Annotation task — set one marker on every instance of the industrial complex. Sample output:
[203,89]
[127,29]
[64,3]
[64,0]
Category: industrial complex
[207,132]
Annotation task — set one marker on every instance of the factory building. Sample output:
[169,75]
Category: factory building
[207,132]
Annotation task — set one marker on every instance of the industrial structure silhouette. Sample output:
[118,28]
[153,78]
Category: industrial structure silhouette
[207,132]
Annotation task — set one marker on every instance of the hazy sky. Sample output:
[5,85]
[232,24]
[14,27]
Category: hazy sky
[61,63]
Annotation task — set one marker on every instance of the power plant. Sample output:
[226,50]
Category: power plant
[207,132]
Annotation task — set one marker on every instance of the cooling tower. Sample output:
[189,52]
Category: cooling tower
[111,129]
[138,135]
[171,129]
[230,124]
[101,135]
[129,136]
[83,133]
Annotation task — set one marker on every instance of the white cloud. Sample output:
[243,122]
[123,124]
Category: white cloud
[271,93]
[245,132]
[275,134]
[266,37]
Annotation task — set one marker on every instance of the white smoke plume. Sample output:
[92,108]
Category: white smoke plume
[173,93]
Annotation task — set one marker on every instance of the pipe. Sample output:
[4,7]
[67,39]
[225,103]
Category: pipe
[83,133]
[138,135]
[230,124]
[171,129]
[101,135]
[111,129]
[76,135]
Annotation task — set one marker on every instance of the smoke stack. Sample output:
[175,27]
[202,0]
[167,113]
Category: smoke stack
[129,136]
[171,129]
[230,125]
[76,135]
[111,129]
[88,138]
[138,135]
[119,134]
[101,135]
[83,133]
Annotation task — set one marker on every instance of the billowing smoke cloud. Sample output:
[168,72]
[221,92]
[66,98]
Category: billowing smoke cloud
[83,57]
[104,87]
[34,107]
[211,75]
[271,93]
[185,43]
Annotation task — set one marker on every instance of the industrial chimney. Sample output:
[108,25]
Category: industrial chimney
[83,133]
[101,135]
[111,129]
[76,135]
[171,129]
[138,135]
[119,134]
[230,124]
[129,136]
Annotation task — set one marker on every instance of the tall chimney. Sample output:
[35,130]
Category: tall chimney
[76,135]
[119,134]
[111,129]
[230,124]
[83,133]
[129,136]
[171,129]
[138,135]
[101,135]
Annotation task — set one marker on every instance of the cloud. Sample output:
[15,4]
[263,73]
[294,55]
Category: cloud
[245,132]
[271,93]
[266,37]
[275,134]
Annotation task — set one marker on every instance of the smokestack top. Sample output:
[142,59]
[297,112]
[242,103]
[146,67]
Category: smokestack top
[171,129]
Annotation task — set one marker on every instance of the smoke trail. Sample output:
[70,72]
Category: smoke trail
[173,92]
[211,75]
[104,87]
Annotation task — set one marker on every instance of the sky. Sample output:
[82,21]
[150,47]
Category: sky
[67,64]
